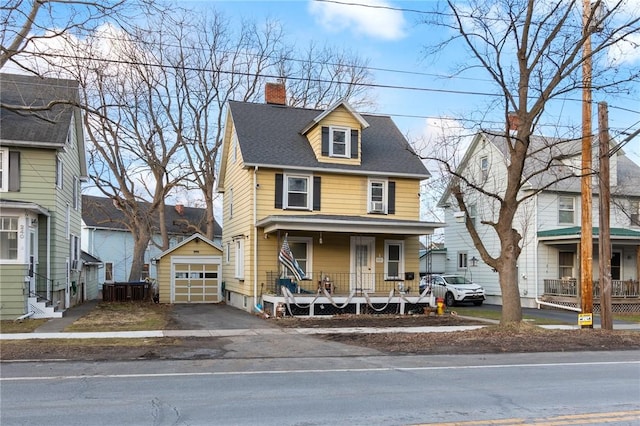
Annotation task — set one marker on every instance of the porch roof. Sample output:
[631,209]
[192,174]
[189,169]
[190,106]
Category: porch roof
[574,232]
[25,205]
[346,224]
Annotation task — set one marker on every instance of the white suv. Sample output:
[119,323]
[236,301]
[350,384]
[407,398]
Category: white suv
[453,289]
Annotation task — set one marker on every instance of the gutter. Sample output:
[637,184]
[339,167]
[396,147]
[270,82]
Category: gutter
[538,301]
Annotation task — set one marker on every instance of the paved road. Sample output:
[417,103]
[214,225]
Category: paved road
[551,389]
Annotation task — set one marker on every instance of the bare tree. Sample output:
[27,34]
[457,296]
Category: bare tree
[24,22]
[532,51]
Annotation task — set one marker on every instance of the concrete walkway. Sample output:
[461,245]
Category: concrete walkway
[225,321]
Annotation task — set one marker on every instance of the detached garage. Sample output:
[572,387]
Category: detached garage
[190,272]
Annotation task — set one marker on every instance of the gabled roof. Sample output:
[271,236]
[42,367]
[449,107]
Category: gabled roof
[549,165]
[47,128]
[332,108]
[271,136]
[187,241]
[101,213]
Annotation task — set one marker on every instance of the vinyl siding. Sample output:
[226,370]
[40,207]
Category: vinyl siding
[341,117]
[13,291]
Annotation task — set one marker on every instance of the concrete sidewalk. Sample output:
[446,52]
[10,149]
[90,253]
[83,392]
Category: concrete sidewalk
[226,321]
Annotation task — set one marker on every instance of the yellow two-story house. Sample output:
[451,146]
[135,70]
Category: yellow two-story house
[343,190]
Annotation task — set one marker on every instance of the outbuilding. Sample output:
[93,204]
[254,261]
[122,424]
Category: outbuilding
[190,272]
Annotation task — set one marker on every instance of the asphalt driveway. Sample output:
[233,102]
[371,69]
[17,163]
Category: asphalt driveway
[214,317]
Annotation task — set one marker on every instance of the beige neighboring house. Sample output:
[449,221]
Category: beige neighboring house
[190,272]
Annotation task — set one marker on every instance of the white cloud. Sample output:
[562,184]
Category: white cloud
[625,52]
[377,22]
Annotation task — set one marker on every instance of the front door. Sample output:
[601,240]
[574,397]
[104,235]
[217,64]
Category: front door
[363,270]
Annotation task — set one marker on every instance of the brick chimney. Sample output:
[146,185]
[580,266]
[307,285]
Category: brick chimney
[275,93]
[514,121]
[180,209]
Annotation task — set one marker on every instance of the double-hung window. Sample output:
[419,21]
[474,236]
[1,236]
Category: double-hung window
[394,259]
[297,192]
[339,142]
[4,170]
[301,249]
[239,247]
[462,260]
[8,238]
[377,196]
[484,168]
[635,213]
[566,210]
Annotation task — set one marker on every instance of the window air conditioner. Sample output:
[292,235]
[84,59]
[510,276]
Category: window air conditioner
[377,206]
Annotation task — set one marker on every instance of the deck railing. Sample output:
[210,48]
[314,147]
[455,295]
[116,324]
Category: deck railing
[341,283]
[569,287]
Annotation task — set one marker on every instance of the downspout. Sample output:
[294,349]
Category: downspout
[255,237]
[538,301]
[48,278]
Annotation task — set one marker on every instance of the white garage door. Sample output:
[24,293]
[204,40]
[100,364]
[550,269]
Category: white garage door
[195,279]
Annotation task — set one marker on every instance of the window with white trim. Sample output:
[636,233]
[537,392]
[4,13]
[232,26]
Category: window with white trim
[565,264]
[462,260]
[228,253]
[231,203]
[566,210]
[75,253]
[339,142]
[76,193]
[301,248]
[472,210]
[68,222]
[239,249]
[59,173]
[297,192]
[484,167]
[4,170]
[635,213]
[8,238]
[377,196]
[393,259]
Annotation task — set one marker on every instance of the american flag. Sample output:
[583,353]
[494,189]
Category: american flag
[290,262]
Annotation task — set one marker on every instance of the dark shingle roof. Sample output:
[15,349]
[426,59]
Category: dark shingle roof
[555,164]
[48,127]
[269,135]
[100,212]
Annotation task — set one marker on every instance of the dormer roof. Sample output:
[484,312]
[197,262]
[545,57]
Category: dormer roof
[316,120]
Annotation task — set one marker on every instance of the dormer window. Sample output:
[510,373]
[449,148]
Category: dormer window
[340,142]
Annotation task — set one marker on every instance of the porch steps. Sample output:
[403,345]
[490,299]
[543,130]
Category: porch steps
[43,309]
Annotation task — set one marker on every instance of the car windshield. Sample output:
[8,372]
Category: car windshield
[457,280]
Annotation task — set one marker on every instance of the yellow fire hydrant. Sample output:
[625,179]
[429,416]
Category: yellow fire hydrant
[440,305]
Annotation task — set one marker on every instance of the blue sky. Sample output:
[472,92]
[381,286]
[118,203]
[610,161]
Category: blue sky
[391,39]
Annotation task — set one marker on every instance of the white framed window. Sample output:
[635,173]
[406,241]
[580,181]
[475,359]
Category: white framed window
[76,193]
[302,250]
[393,259]
[472,210]
[377,196]
[566,210]
[297,192]
[108,271]
[4,170]
[565,264]
[484,167]
[227,255]
[635,213]
[339,142]
[231,203]
[75,253]
[239,251]
[8,238]
[59,173]
[68,222]
[462,260]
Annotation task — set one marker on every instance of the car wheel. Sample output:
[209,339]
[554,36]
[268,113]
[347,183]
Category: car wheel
[449,300]
[478,302]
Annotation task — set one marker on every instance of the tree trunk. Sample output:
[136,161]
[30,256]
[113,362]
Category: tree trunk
[140,243]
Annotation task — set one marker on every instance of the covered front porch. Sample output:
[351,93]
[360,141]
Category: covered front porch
[561,285]
[349,265]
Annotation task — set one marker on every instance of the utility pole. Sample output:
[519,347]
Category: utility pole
[586,237]
[604,235]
